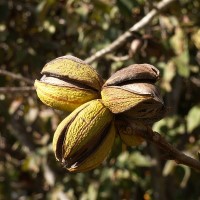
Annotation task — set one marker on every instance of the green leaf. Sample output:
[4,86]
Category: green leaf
[126,6]
[178,41]
[182,63]
[179,44]
[193,118]
[196,38]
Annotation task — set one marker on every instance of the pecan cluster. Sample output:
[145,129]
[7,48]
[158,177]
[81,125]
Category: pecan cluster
[99,111]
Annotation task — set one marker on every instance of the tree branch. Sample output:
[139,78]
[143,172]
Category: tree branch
[171,151]
[16,76]
[126,35]
[119,59]
[14,90]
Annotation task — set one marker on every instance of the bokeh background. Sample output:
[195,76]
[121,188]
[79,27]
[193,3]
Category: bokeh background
[33,32]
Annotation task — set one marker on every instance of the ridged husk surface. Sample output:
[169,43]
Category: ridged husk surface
[83,139]
[131,92]
[67,83]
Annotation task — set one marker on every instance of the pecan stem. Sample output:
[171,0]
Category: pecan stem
[172,152]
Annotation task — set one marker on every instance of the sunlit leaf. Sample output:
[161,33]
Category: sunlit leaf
[193,118]
[196,38]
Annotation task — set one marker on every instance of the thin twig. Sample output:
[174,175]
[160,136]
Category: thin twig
[126,35]
[14,90]
[18,130]
[119,59]
[16,76]
[172,152]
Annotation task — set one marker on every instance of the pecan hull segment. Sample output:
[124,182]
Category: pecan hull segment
[84,139]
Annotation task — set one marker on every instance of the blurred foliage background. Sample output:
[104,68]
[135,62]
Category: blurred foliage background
[33,32]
